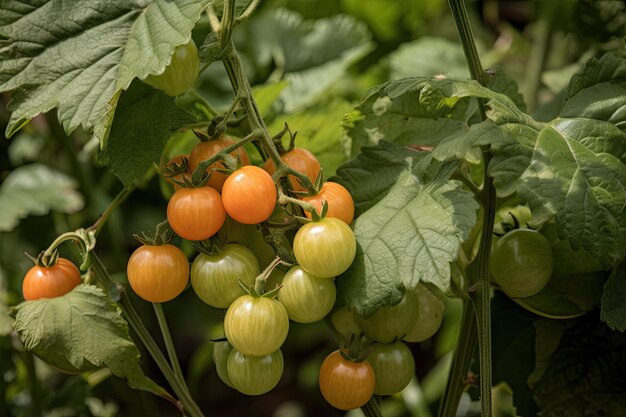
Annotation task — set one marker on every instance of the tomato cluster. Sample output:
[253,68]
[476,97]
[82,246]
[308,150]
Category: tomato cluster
[227,209]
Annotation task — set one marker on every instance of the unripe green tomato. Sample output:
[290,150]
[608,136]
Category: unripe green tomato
[390,323]
[344,324]
[393,366]
[429,315]
[214,277]
[306,297]
[235,232]
[255,375]
[256,325]
[325,248]
[181,72]
[221,351]
[521,263]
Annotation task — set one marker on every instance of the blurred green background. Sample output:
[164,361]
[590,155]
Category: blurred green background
[310,61]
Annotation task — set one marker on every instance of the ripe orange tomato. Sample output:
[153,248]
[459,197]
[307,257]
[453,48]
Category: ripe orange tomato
[51,281]
[196,213]
[346,385]
[302,161]
[158,273]
[340,202]
[205,150]
[249,195]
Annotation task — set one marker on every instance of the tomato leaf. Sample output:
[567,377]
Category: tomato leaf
[110,44]
[613,307]
[36,189]
[369,176]
[577,383]
[82,330]
[428,56]
[145,119]
[598,91]
[411,235]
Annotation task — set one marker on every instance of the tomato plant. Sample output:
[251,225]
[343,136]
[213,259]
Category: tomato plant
[325,248]
[345,384]
[302,161]
[306,298]
[249,195]
[393,366]
[180,173]
[521,263]
[215,277]
[255,375]
[339,200]
[205,150]
[50,281]
[196,213]
[256,325]
[158,273]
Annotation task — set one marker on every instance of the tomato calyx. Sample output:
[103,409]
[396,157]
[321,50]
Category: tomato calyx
[357,350]
[161,235]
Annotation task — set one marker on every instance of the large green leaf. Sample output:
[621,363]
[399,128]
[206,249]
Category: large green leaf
[36,189]
[145,119]
[311,54]
[428,56]
[81,330]
[598,91]
[370,175]
[613,311]
[79,56]
[411,235]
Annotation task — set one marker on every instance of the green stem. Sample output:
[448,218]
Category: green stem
[224,153]
[463,353]
[185,403]
[119,199]
[478,272]
[372,408]
[210,112]
[169,343]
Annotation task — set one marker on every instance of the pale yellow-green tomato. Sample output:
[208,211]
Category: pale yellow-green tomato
[181,73]
[306,297]
[429,315]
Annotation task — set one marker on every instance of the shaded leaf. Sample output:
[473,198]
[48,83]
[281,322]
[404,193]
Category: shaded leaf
[613,311]
[83,329]
[110,43]
[411,235]
[145,119]
[428,56]
[36,189]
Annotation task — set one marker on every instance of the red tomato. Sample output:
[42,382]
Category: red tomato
[300,160]
[196,213]
[340,202]
[205,150]
[249,195]
[52,281]
[346,385]
[158,273]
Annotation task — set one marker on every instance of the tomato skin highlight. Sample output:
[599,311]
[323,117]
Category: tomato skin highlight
[52,281]
[340,202]
[393,322]
[430,311]
[522,262]
[393,366]
[300,160]
[325,248]
[205,150]
[344,384]
[254,375]
[158,273]
[306,298]
[256,326]
[214,277]
[196,213]
[249,195]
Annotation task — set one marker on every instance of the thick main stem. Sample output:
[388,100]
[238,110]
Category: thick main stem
[169,343]
[478,271]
